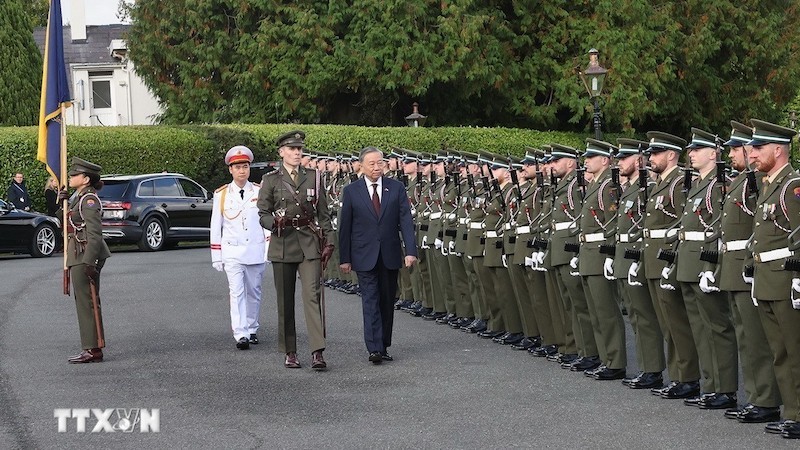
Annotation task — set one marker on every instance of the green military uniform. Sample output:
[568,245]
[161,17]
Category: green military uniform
[713,334]
[760,386]
[295,247]
[86,248]
[471,191]
[475,249]
[633,290]
[453,246]
[597,228]
[565,229]
[662,214]
[778,213]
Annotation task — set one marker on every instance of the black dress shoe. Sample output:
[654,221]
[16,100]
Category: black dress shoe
[791,431]
[733,413]
[758,414]
[590,372]
[421,312]
[566,358]
[446,318]
[402,304]
[414,305]
[243,344]
[648,380]
[253,339]
[497,339]
[718,401]
[587,362]
[318,361]
[490,334]
[661,390]
[777,427]
[385,356]
[375,358]
[461,322]
[682,390]
[544,351]
[609,374]
[512,338]
[628,380]
[694,400]
[477,326]
[433,315]
[524,344]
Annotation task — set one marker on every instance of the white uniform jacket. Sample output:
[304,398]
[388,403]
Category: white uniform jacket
[236,234]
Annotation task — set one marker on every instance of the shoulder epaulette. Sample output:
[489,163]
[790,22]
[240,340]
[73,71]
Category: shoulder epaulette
[258,185]
[219,189]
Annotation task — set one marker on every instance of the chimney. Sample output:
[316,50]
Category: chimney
[78,21]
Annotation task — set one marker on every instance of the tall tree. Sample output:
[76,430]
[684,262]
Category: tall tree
[20,66]
[673,64]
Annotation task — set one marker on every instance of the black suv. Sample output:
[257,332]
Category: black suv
[154,210]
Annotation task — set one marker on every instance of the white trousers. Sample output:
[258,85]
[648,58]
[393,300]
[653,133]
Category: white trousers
[244,285]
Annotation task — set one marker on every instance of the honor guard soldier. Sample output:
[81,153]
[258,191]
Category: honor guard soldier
[708,309]
[565,229]
[86,256]
[631,282]
[598,228]
[775,288]
[760,387]
[291,205]
[468,245]
[662,217]
[237,245]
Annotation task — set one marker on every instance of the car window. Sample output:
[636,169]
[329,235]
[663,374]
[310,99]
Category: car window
[146,189]
[191,189]
[3,205]
[113,189]
[166,187]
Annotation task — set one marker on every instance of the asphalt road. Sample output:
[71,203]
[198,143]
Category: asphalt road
[169,348]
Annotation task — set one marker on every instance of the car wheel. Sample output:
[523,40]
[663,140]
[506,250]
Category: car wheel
[44,241]
[152,235]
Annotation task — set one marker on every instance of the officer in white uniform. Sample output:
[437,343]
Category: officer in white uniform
[237,245]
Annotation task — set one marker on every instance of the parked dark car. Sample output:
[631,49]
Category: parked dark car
[28,232]
[154,210]
[259,169]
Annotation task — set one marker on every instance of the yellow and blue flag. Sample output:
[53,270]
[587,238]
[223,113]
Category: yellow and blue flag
[55,92]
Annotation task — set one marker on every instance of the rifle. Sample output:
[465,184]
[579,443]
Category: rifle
[98,319]
[515,181]
[580,172]
[712,255]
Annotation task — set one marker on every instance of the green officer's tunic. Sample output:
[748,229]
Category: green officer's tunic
[517,239]
[86,247]
[475,248]
[597,228]
[503,313]
[662,212]
[296,249]
[777,214]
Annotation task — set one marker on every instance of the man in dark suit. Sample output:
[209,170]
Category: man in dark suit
[375,214]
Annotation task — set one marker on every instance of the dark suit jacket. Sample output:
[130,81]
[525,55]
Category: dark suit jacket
[363,235]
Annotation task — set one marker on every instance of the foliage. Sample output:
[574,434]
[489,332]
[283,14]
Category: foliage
[510,63]
[38,11]
[20,66]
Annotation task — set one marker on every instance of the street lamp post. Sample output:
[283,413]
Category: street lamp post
[593,77]
[415,119]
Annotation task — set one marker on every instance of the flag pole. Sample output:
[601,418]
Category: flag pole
[65,202]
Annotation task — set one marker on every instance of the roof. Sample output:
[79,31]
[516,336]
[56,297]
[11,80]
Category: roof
[92,50]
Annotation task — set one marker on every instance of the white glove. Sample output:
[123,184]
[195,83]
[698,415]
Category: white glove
[424,243]
[504,260]
[573,262]
[529,262]
[796,293]
[664,284]
[451,248]
[608,269]
[748,280]
[540,258]
[218,266]
[707,282]
[437,244]
[633,273]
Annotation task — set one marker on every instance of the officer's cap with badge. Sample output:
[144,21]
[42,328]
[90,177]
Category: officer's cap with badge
[702,139]
[238,154]
[469,157]
[532,156]
[81,166]
[769,133]
[562,151]
[595,147]
[294,138]
[627,147]
[741,135]
[661,142]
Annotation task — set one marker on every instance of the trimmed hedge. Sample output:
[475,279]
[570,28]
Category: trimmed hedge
[197,150]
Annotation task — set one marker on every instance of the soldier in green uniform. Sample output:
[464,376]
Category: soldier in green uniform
[468,245]
[463,313]
[631,282]
[713,334]
[662,216]
[396,171]
[760,386]
[86,256]
[443,300]
[565,228]
[777,291]
[490,326]
[291,205]
[598,227]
